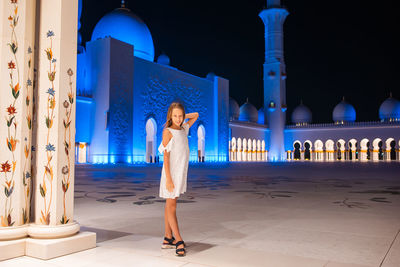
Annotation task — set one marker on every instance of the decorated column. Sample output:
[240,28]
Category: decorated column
[55,142]
[16,71]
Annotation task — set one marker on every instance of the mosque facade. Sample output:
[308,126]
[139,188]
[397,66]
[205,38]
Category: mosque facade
[123,93]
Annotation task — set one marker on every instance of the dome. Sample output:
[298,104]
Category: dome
[233,109]
[390,109]
[163,60]
[248,112]
[125,26]
[344,112]
[211,76]
[261,116]
[301,114]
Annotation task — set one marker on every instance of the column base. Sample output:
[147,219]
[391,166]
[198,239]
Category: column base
[14,232]
[46,249]
[49,232]
[12,249]
[44,241]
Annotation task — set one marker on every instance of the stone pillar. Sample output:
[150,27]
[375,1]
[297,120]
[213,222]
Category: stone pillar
[353,155]
[375,155]
[55,155]
[263,152]
[54,107]
[16,78]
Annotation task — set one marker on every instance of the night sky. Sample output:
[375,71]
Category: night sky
[332,48]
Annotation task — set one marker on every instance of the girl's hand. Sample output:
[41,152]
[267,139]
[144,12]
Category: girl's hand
[170,185]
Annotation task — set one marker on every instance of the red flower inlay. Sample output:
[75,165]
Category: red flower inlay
[11,65]
[5,167]
[11,110]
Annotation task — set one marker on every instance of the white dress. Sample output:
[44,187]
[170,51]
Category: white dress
[178,146]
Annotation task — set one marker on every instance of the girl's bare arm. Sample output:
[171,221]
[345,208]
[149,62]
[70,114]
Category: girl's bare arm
[165,140]
[192,118]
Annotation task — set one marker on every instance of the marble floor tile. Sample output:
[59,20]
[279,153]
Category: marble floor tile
[240,214]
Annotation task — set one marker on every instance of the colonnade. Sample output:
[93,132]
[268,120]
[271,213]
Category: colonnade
[352,150]
[247,150]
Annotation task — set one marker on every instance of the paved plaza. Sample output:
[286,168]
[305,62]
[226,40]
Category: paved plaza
[241,214]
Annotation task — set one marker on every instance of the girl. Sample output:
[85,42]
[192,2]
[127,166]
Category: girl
[175,147]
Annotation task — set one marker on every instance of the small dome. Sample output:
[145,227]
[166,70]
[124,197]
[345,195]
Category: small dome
[248,112]
[211,76]
[344,112]
[234,109]
[163,60]
[125,26]
[301,114]
[390,109]
[261,116]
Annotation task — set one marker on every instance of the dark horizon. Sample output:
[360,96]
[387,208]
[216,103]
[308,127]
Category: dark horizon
[331,51]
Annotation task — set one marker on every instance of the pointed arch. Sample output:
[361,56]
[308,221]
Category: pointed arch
[151,140]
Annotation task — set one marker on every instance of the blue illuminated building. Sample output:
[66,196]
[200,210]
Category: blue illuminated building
[123,96]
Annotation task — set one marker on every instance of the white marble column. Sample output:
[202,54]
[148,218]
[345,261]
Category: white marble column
[55,147]
[16,78]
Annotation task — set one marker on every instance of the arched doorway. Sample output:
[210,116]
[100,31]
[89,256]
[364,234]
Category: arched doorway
[307,150]
[233,149]
[329,149]
[258,150]
[201,137]
[297,152]
[263,158]
[364,152]
[254,151]
[244,144]
[391,149]
[239,149]
[377,152]
[352,149]
[249,149]
[151,140]
[341,149]
[319,150]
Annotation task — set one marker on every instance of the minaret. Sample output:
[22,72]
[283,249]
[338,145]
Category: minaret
[274,77]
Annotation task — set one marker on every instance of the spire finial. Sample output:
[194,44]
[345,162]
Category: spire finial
[123,3]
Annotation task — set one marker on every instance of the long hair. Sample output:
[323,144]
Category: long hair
[173,105]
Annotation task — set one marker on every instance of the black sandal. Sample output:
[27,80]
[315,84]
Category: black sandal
[170,243]
[180,249]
